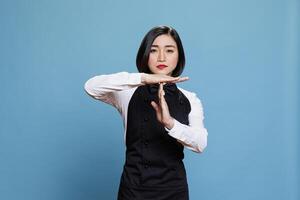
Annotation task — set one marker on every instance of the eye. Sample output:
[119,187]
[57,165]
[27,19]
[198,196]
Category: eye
[152,50]
[170,50]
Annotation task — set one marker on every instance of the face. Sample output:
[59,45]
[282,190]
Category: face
[163,55]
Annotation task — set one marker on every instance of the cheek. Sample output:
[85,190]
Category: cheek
[151,60]
[174,59]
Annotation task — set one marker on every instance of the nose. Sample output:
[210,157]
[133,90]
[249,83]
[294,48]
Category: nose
[161,56]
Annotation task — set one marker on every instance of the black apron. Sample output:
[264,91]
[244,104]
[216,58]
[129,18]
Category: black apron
[153,169]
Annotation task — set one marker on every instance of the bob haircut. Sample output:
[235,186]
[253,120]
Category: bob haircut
[145,47]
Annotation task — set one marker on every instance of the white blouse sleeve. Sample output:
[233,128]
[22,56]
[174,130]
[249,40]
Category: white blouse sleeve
[105,87]
[194,135]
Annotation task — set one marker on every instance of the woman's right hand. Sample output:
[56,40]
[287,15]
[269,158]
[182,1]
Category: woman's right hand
[161,78]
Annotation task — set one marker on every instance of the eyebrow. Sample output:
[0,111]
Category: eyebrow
[165,46]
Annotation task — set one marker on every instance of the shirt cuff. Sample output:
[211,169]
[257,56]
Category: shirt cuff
[135,79]
[175,131]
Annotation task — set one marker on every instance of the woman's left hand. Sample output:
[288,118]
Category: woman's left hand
[162,109]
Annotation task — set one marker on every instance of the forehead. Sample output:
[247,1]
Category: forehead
[164,40]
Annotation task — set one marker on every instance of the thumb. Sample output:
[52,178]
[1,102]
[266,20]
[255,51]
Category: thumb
[155,106]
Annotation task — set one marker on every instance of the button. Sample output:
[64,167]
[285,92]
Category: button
[146,164]
[146,142]
[146,119]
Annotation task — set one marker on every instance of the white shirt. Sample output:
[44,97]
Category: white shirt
[117,89]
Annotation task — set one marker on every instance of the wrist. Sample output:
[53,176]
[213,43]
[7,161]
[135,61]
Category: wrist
[144,78]
[170,123]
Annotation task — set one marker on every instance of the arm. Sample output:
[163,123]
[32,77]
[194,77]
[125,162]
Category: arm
[104,87]
[194,135]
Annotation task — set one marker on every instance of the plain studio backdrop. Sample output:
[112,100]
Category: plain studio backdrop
[57,143]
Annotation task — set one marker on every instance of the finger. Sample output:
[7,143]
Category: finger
[164,109]
[155,106]
[163,103]
[161,89]
[161,92]
[169,79]
[157,109]
[161,96]
[185,78]
[181,79]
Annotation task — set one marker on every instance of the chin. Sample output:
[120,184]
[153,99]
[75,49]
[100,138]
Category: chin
[162,72]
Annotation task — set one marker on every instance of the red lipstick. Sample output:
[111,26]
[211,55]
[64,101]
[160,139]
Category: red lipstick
[161,66]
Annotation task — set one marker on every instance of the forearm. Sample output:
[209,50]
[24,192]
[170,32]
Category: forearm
[101,85]
[194,138]
[193,135]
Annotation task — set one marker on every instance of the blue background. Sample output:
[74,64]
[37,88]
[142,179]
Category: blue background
[243,62]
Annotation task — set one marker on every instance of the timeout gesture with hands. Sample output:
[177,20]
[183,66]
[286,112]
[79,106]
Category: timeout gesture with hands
[161,108]
[161,78]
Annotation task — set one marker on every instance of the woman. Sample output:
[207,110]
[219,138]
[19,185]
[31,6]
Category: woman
[160,119]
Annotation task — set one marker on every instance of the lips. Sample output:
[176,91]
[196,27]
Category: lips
[161,66]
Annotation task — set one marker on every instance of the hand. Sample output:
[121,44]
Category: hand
[161,78]
[162,109]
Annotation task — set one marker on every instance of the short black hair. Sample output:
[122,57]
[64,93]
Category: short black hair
[145,47]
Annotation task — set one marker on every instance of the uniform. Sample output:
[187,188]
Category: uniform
[153,168]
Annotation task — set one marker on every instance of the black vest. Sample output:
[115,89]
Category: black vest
[153,158]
